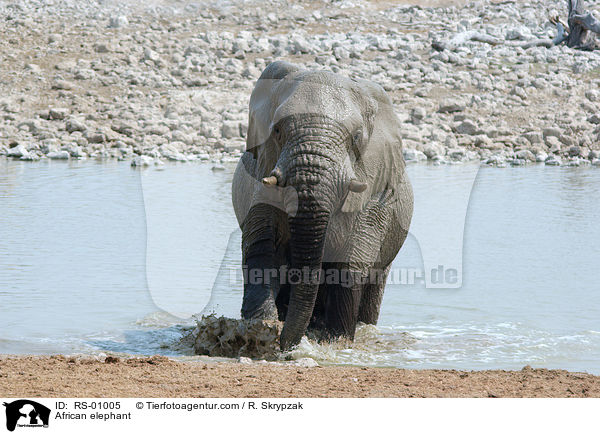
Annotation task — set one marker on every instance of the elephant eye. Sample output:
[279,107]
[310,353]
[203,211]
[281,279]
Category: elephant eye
[356,144]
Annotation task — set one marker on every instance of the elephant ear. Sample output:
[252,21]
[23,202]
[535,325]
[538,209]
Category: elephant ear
[263,105]
[381,163]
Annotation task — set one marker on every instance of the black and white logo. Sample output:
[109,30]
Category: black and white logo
[25,413]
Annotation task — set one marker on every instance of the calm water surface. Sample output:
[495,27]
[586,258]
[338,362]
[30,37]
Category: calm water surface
[101,258]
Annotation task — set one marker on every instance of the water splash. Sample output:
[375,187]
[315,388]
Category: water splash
[228,337]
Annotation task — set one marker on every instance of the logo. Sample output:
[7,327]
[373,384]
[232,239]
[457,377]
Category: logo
[26,413]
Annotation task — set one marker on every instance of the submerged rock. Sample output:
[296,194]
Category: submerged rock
[58,155]
[141,161]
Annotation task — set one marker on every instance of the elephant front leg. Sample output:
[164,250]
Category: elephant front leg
[342,293]
[372,296]
[356,298]
[262,259]
[376,238]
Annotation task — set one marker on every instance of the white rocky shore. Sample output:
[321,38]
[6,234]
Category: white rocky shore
[170,80]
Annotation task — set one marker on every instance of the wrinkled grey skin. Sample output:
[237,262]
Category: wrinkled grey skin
[334,196]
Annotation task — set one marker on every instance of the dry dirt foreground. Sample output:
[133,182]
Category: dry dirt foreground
[59,376]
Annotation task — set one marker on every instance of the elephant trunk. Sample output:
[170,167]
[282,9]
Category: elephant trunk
[309,175]
[307,237]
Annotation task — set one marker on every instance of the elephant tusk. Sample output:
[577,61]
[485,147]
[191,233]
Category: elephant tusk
[357,186]
[270,181]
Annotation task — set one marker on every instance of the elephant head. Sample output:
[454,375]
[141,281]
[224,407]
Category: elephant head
[321,140]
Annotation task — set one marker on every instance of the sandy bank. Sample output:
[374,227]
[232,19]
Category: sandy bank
[58,376]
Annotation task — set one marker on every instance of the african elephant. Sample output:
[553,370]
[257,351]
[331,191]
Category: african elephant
[323,200]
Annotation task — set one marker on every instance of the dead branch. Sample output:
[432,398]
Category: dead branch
[580,33]
[583,27]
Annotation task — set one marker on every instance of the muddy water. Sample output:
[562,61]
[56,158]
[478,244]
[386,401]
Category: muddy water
[101,258]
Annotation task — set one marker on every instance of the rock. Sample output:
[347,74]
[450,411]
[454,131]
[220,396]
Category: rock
[433,150]
[301,45]
[18,151]
[567,140]
[124,128]
[9,106]
[457,154]
[417,114]
[272,18]
[574,151]
[33,126]
[467,127]
[159,130]
[58,155]
[101,48]
[593,95]
[44,114]
[141,161]
[231,129]
[50,145]
[54,37]
[534,137]
[217,167]
[76,151]
[306,362]
[251,72]
[118,22]
[520,33]
[33,68]
[179,136]
[245,360]
[171,152]
[483,141]
[74,124]
[551,132]
[30,157]
[84,74]
[541,157]
[151,55]
[177,145]
[95,136]
[520,92]
[235,148]
[413,155]
[496,160]
[62,85]
[341,53]
[65,65]
[58,113]
[553,144]
[553,160]
[594,119]
[525,154]
[451,106]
